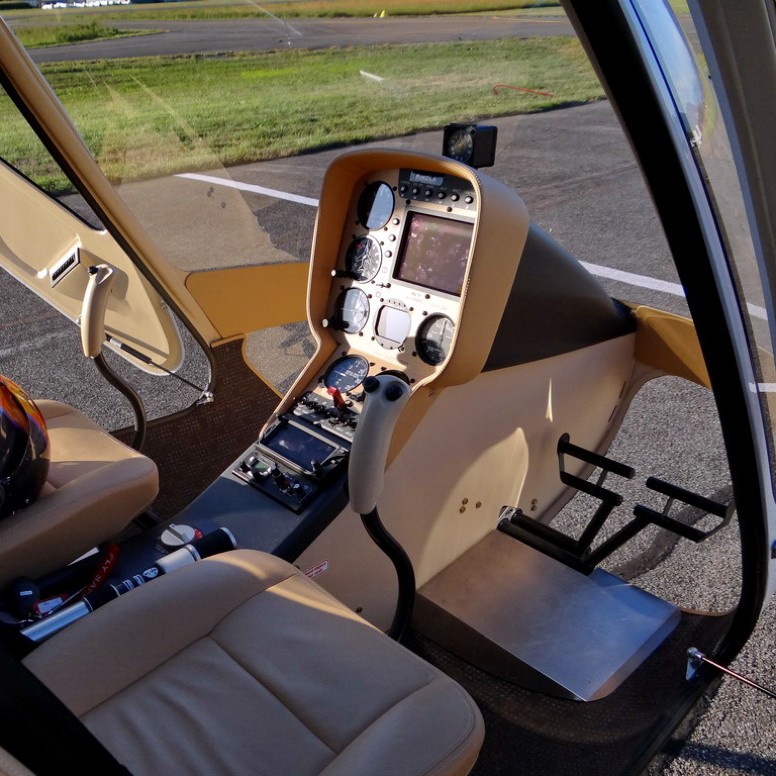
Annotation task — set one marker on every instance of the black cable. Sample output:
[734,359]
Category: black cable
[404,572]
[131,396]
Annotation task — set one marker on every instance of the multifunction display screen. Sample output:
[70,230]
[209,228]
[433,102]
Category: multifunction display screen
[434,253]
[296,445]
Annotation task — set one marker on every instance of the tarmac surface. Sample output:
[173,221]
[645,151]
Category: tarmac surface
[265,34]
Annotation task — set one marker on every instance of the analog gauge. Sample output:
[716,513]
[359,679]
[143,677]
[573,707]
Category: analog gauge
[347,373]
[460,144]
[364,258]
[352,311]
[434,339]
[375,205]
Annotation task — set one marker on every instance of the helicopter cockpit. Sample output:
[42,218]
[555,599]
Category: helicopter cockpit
[461,371]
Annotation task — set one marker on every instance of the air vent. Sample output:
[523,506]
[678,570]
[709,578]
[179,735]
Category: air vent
[63,266]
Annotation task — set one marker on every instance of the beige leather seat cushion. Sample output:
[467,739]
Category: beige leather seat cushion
[241,665]
[96,486]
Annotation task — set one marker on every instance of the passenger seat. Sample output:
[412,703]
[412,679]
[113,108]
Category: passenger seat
[240,665]
[95,487]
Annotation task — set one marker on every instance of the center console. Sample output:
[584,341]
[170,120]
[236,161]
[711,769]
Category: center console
[393,297]
[413,260]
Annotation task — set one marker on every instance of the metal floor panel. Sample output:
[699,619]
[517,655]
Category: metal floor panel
[523,616]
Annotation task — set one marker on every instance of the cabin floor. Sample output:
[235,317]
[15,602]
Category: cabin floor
[532,734]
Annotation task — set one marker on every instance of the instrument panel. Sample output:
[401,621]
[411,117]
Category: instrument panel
[409,276]
[393,305]
[399,275]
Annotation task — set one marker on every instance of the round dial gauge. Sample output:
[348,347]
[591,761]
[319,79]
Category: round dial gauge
[375,205]
[347,373]
[434,339]
[460,145]
[352,311]
[363,258]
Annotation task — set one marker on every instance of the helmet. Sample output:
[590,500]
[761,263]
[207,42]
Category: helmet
[24,448]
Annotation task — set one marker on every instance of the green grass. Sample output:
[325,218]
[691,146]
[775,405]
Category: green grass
[141,120]
[679,6]
[56,35]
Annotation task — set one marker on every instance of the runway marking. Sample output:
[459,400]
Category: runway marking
[250,187]
[642,281]
[621,276]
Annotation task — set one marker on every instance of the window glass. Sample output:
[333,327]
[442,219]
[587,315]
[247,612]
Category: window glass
[692,89]
[40,347]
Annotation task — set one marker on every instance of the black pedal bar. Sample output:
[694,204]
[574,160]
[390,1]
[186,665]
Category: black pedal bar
[690,498]
[592,489]
[600,461]
[671,524]
[579,553]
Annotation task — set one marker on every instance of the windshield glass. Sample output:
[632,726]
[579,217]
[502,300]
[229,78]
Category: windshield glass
[676,47]
[216,121]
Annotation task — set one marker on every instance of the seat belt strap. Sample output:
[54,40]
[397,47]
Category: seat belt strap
[41,732]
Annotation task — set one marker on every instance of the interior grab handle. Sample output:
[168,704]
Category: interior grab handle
[385,398]
[95,303]
[98,288]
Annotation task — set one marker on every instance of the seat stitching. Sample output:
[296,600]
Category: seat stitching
[256,679]
[423,768]
[430,676]
[183,649]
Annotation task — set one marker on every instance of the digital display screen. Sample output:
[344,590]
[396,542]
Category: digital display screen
[298,446]
[434,253]
[393,325]
[426,179]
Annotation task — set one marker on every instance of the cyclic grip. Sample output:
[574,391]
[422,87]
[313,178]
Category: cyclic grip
[385,398]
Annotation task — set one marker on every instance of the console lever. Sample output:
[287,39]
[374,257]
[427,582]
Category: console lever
[386,396]
[93,309]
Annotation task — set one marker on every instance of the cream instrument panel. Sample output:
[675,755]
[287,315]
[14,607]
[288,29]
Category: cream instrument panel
[396,290]
[404,279]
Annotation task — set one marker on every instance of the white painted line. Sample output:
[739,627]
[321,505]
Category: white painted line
[249,187]
[371,75]
[630,278]
[756,311]
[762,387]
[39,342]
[642,281]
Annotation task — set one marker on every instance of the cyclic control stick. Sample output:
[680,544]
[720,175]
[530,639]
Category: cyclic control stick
[385,398]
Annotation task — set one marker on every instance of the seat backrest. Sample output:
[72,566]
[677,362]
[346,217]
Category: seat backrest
[95,487]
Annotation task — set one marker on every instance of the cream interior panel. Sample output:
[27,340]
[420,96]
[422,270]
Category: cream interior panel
[49,250]
[499,451]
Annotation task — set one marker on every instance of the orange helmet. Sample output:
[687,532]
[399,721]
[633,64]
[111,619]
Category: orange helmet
[24,448]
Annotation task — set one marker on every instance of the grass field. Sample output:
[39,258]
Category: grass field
[140,120]
[57,35]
